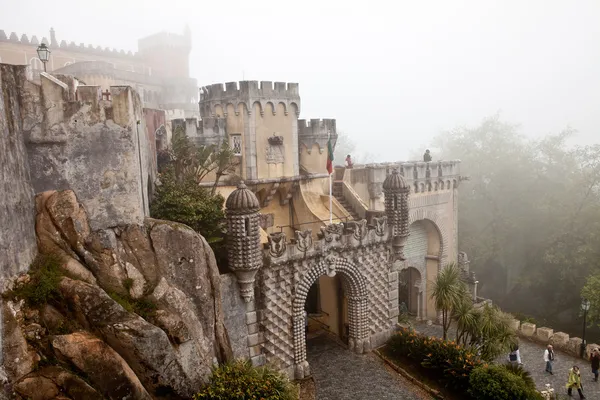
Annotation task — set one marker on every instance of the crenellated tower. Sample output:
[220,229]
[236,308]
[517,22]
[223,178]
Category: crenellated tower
[313,135]
[244,251]
[261,120]
[395,191]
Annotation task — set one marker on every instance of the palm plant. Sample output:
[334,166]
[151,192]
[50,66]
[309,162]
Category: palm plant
[448,293]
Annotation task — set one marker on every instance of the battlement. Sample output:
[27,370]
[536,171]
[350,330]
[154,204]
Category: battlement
[249,89]
[53,44]
[317,127]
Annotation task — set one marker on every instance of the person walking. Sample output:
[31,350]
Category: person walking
[514,357]
[427,156]
[574,382]
[595,359]
[549,358]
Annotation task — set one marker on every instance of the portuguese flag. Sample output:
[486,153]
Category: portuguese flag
[329,157]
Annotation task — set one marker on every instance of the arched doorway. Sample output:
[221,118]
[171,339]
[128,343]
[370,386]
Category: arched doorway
[409,291]
[355,288]
[423,253]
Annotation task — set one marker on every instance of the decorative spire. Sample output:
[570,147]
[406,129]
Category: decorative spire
[242,201]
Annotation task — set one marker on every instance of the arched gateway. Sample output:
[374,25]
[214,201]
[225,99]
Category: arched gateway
[275,282]
[357,307]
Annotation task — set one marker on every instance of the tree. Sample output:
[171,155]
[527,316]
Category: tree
[591,292]
[447,293]
[530,215]
[200,161]
[180,198]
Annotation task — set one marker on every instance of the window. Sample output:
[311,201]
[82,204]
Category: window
[235,142]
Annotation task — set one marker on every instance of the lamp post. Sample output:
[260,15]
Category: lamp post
[43,54]
[585,307]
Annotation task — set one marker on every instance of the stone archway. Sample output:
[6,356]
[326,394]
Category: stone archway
[356,286]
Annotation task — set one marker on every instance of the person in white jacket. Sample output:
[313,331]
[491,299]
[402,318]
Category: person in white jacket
[549,358]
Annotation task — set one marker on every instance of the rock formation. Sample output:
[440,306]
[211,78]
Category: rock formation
[139,314]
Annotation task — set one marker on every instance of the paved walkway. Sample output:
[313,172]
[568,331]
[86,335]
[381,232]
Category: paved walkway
[340,374]
[532,356]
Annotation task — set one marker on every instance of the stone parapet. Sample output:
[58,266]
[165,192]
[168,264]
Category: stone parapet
[560,340]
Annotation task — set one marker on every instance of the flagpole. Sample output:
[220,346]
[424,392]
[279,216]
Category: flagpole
[330,187]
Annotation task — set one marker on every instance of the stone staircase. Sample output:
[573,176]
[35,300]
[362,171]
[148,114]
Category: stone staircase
[339,196]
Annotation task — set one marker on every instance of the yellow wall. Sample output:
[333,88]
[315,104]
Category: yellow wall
[316,161]
[266,126]
[328,288]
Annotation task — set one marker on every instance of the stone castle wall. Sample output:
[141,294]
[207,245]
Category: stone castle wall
[60,135]
[18,244]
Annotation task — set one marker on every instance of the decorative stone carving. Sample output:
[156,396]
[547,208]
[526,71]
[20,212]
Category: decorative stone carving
[380,225]
[304,240]
[332,232]
[243,222]
[275,140]
[277,245]
[275,154]
[358,228]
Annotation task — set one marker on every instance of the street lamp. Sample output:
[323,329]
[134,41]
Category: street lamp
[43,54]
[585,307]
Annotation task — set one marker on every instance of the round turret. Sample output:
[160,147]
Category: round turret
[395,192]
[394,181]
[243,238]
[242,201]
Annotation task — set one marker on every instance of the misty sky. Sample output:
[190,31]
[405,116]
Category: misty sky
[394,74]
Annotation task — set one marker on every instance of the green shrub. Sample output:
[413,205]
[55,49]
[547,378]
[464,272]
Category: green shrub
[447,361]
[242,381]
[184,201]
[45,273]
[496,382]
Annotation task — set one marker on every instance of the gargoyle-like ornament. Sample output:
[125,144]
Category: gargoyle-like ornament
[358,228]
[380,225]
[331,263]
[332,232]
[277,245]
[304,240]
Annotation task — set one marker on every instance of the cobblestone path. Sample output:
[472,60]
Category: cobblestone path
[343,375]
[532,356]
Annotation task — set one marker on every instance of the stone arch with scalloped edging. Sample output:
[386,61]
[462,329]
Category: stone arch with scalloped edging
[439,224]
[355,282]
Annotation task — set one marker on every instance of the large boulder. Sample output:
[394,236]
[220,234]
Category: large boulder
[162,261]
[47,383]
[105,368]
[144,346]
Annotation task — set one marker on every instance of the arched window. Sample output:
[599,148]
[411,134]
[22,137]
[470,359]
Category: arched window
[395,202]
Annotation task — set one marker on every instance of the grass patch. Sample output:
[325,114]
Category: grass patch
[45,273]
[145,308]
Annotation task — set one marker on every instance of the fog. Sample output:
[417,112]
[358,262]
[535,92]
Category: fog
[394,75]
[397,77]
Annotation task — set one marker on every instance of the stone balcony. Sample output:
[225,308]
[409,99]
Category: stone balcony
[366,181]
